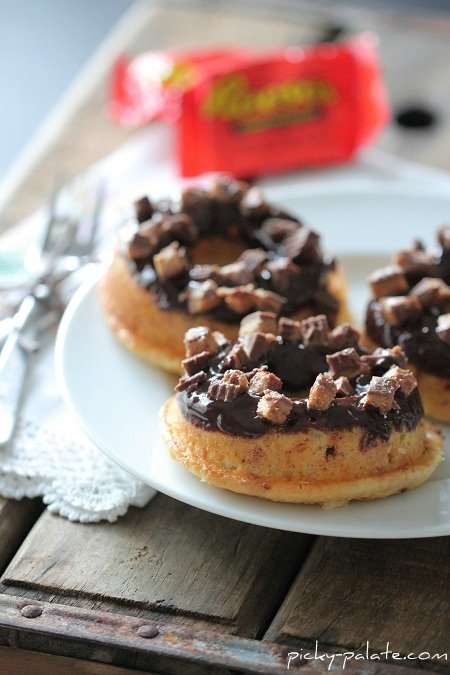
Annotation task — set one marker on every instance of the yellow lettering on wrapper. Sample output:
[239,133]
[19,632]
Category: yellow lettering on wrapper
[232,99]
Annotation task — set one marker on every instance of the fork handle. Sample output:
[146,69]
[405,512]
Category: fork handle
[13,370]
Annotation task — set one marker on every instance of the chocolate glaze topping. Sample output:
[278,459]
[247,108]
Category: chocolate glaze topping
[418,339]
[288,265]
[298,365]
[416,334]
[239,417]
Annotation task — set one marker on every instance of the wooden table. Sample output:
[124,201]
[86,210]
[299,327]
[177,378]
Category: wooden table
[172,589]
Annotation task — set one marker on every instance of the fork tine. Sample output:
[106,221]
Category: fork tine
[65,240]
[96,214]
[58,184]
[53,228]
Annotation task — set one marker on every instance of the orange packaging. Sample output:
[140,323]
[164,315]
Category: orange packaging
[250,112]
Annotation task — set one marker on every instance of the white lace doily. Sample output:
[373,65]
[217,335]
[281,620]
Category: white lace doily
[77,481]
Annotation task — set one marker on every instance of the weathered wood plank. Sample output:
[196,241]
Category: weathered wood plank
[17,662]
[96,634]
[166,649]
[101,637]
[32,596]
[353,591]
[167,557]
[16,518]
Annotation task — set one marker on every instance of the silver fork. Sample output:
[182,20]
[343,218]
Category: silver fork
[73,246]
[78,214]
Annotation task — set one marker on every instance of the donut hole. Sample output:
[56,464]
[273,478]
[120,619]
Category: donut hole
[221,250]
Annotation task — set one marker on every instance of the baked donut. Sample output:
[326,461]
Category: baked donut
[295,412]
[217,255]
[410,307]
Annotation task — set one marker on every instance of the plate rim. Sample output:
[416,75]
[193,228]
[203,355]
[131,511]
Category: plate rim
[397,186]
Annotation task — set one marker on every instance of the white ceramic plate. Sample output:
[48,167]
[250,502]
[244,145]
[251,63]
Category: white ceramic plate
[116,398]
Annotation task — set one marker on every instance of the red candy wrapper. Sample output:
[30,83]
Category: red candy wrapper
[249,112]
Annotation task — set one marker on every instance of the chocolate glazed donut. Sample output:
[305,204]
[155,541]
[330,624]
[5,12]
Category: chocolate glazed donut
[410,307]
[212,258]
[294,411]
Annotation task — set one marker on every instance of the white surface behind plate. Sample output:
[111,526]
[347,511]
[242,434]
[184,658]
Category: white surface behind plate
[116,397]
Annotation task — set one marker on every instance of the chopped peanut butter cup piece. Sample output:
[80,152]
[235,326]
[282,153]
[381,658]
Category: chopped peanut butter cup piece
[189,383]
[380,394]
[143,209]
[266,300]
[281,272]
[179,226]
[262,322]
[240,299]
[236,358]
[399,310]
[141,246]
[322,393]
[224,391]
[380,356]
[343,387]
[170,261]
[263,380]
[302,246]
[199,339]
[253,258]
[204,272]
[274,407]
[389,280]
[290,330]
[403,379]
[236,377]
[228,190]
[396,353]
[253,372]
[235,274]
[257,345]
[202,297]
[220,339]
[199,205]
[254,205]
[343,336]
[432,292]
[346,362]
[315,331]
[279,228]
[443,328]
[415,261]
[194,364]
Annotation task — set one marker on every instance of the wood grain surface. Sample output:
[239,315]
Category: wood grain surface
[16,519]
[168,557]
[18,661]
[166,648]
[351,592]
